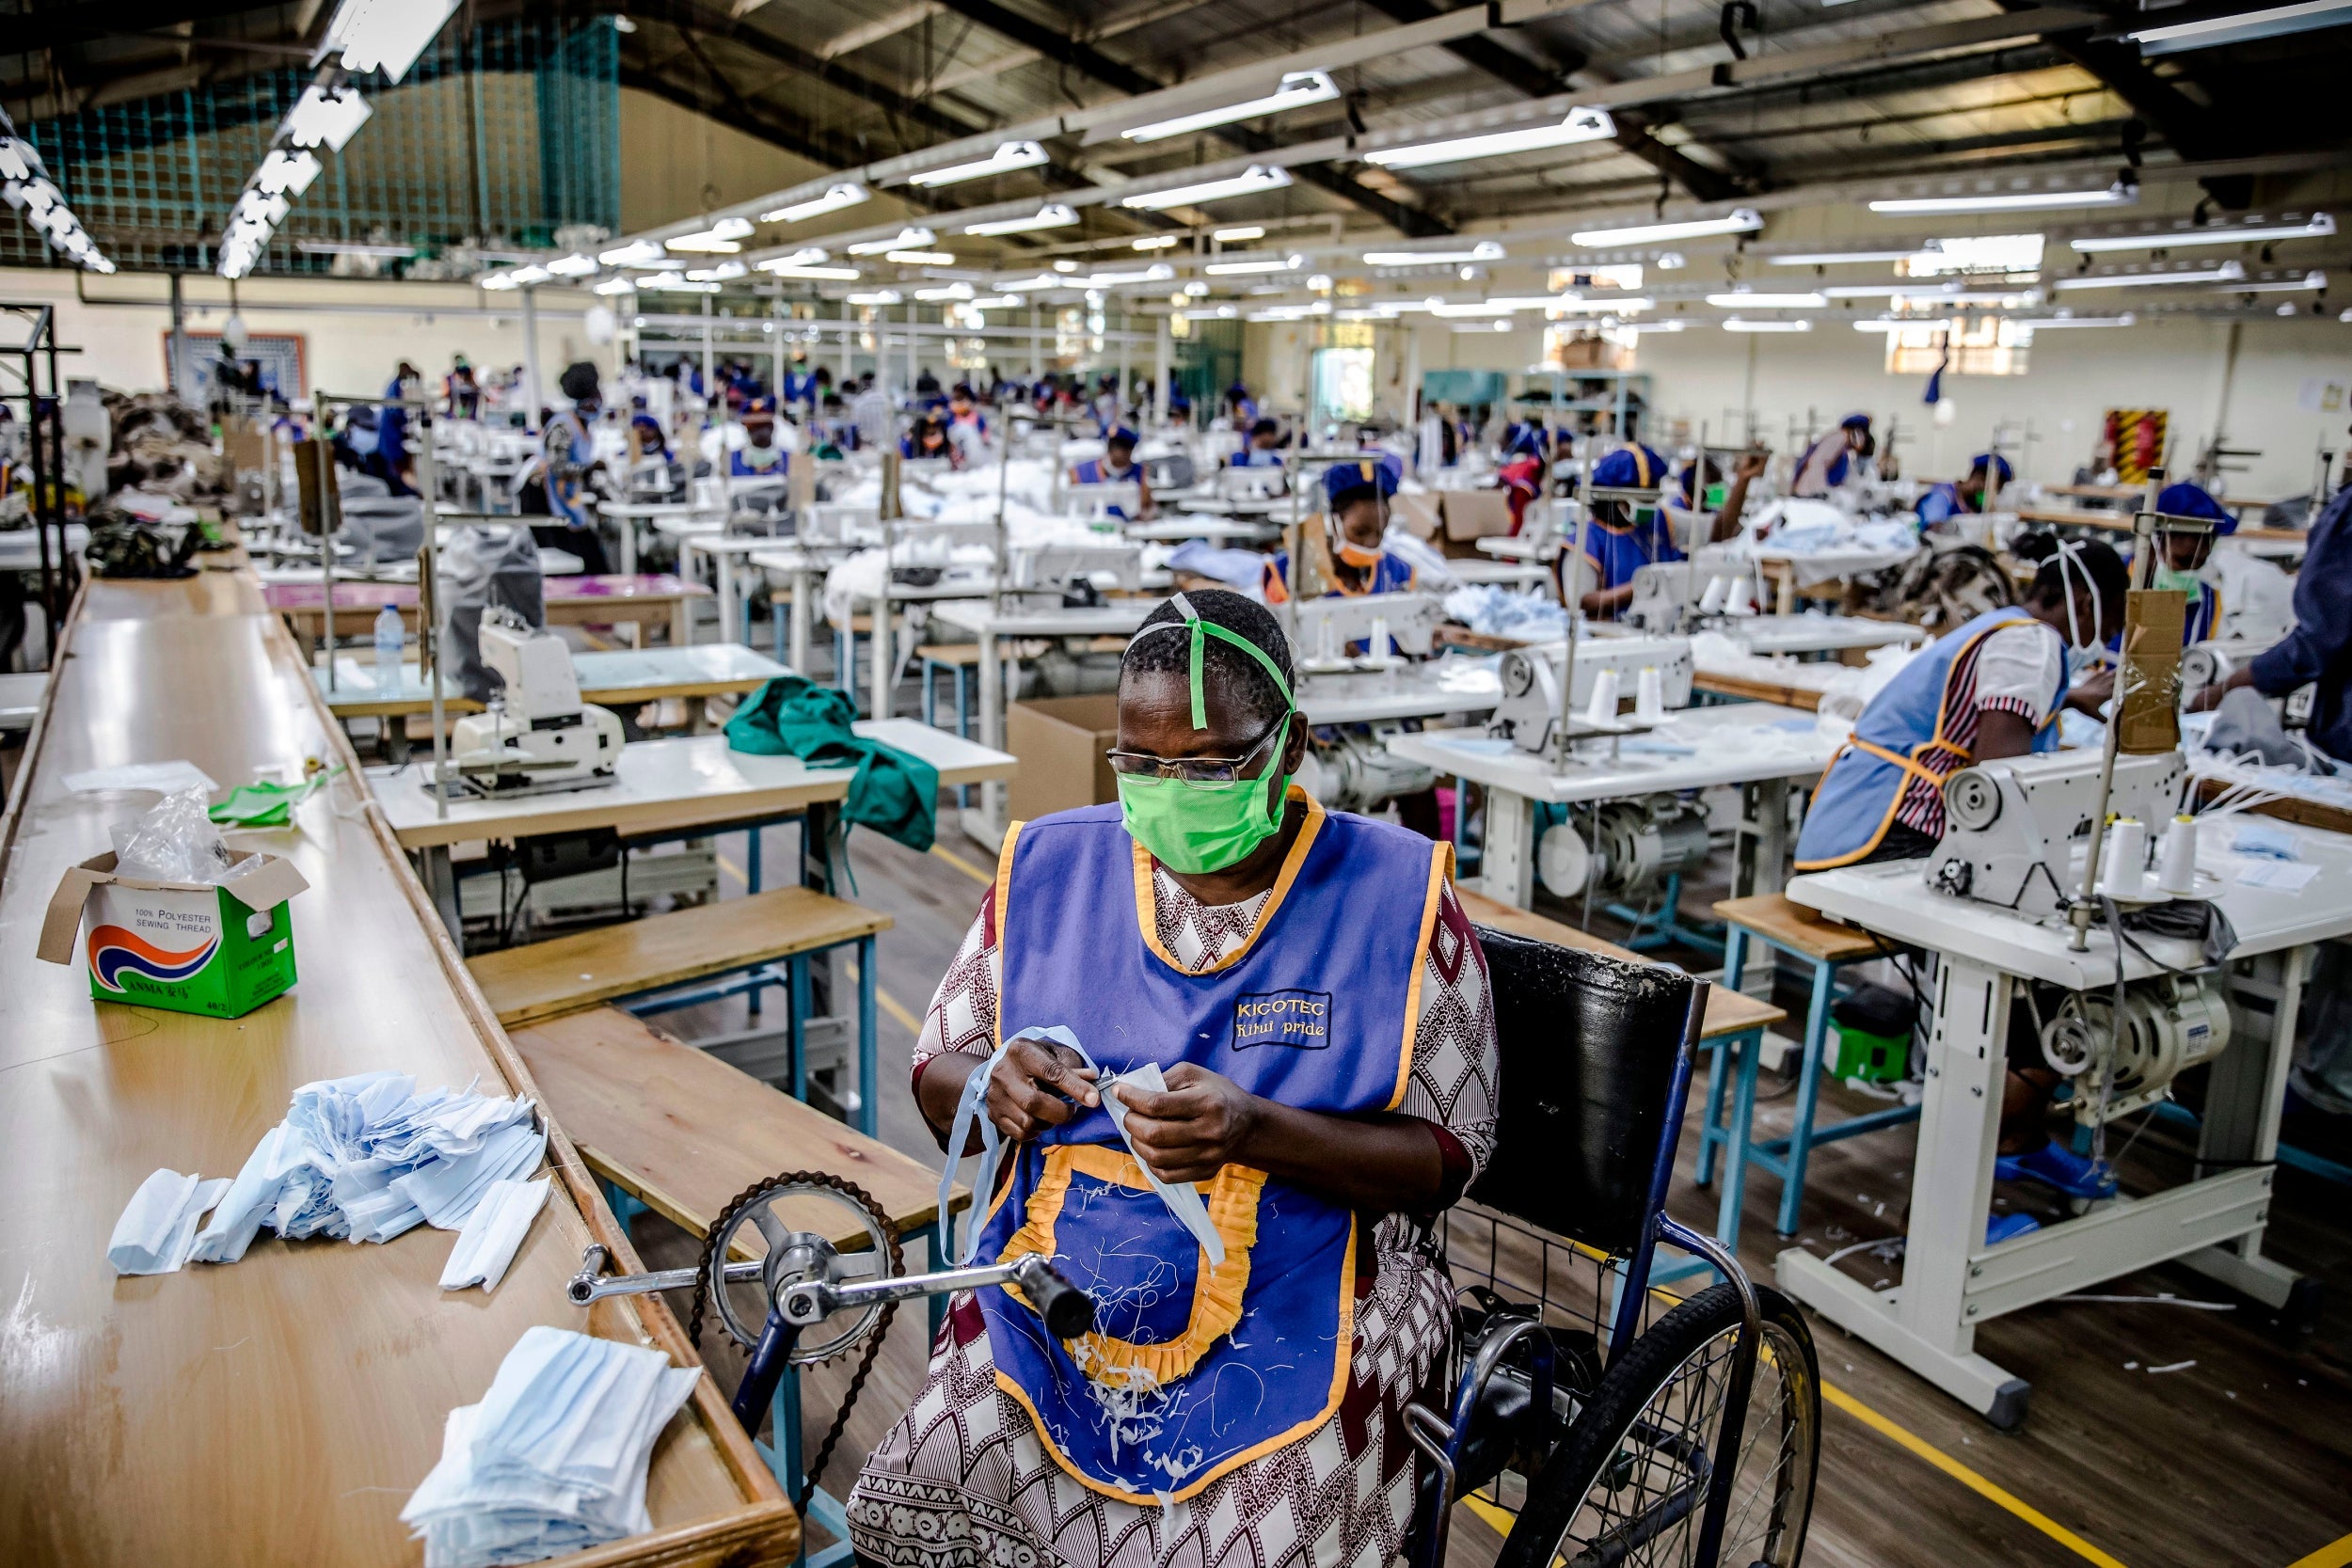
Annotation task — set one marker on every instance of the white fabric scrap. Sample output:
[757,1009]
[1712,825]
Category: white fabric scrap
[494,1234]
[158,1226]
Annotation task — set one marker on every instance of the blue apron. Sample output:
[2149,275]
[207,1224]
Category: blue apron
[1893,743]
[1194,1369]
[740,466]
[1096,470]
[567,446]
[1617,553]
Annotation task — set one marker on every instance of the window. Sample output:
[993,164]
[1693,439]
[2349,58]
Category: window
[1989,345]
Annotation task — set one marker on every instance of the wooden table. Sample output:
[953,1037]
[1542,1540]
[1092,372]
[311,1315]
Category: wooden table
[1744,690]
[620,677]
[613,600]
[279,1410]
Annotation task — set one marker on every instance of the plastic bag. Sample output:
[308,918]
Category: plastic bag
[174,843]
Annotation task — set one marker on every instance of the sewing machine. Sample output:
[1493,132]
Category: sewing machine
[1053,567]
[2009,819]
[1687,596]
[1323,629]
[537,735]
[1530,709]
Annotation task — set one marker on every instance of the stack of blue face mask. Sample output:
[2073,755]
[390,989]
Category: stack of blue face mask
[366,1158]
[553,1459]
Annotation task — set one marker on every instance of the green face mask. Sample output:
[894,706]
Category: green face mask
[2171,579]
[1197,827]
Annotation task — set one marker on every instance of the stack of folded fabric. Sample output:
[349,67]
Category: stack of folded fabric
[363,1158]
[553,1459]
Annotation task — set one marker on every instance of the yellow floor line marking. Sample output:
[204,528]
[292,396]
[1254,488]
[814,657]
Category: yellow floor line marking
[1920,1446]
[962,864]
[2333,1554]
[735,871]
[1493,1515]
[890,1003]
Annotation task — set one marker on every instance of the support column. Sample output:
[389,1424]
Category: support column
[533,400]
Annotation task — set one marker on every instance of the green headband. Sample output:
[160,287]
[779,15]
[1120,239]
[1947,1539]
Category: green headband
[1201,631]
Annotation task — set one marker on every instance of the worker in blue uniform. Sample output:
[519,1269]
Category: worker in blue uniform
[1990,688]
[2186,554]
[1946,500]
[1263,448]
[2318,652]
[1116,466]
[1355,495]
[556,484]
[760,457]
[800,385]
[1623,538]
[1830,461]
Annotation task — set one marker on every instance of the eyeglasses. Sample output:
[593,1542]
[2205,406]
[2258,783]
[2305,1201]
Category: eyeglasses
[1199,770]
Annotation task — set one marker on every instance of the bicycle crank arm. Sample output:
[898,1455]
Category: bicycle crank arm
[592,1284]
[1066,1310]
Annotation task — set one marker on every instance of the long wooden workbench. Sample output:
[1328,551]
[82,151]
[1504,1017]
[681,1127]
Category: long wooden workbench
[279,1410]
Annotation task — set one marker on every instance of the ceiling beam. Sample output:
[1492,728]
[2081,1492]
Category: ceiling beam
[62,26]
[1090,61]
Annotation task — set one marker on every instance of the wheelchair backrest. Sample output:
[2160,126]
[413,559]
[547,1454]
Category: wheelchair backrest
[1589,1045]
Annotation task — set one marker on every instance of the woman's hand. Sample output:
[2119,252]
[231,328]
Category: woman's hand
[2090,693]
[1036,1086]
[1200,1125]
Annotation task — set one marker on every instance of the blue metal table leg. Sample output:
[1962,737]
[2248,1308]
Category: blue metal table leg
[798,1030]
[1711,1130]
[1751,1046]
[1808,1094]
[869,1091]
[751,885]
[965,674]
[626,1206]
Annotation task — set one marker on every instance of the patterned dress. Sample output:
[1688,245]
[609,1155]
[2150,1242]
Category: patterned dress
[962,1479]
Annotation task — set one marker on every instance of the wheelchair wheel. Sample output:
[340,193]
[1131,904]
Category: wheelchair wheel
[1627,1486]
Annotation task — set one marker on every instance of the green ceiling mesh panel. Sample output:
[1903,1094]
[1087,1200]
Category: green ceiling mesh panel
[500,137]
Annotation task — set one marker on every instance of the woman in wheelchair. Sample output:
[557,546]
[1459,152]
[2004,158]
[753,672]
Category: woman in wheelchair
[1289,1016]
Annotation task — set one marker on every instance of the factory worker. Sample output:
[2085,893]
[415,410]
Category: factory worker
[1344,554]
[1989,473]
[460,388]
[1988,690]
[927,440]
[556,481]
[2186,554]
[1686,499]
[762,456]
[2319,649]
[1244,406]
[968,427]
[1622,540]
[1214,1401]
[1829,461]
[800,385]
[1116,466]
[1108,414]
[1263,448]
[1522,470]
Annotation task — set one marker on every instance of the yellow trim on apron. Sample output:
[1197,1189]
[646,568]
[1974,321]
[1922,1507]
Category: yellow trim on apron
[1217,1289]
[1147,899]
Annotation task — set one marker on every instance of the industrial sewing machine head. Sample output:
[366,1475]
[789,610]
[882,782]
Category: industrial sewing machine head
[538,735]
[2011,826]
[1325,628]
[1529,713]
[1067,568]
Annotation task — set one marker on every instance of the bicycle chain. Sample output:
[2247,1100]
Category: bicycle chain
[706,1269]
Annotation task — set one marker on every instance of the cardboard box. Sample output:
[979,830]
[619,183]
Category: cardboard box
[186,947]
[1416,514]
[1469,516]
[1060,742]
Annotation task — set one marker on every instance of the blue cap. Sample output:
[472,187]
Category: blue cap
[1121,433]
[2192,501]
[1854,422]
[642,417]
[759,405]
[1378,472]
[1994,463]
[1527,438]
[1629,467]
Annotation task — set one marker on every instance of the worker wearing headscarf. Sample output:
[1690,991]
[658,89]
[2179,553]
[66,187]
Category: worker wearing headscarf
[1623,538]
[1263,448]
[1116,466]
[1828,463]
[2186,554]
[1344,554]
[760,457]
[1989,473]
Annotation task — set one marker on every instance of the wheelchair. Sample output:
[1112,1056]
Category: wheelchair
[1598,1427]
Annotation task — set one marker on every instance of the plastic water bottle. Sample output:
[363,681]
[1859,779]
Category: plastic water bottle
[392,640]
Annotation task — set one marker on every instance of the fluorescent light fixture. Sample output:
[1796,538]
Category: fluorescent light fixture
[1155,241]
[320,118]
[877,296]
[905,238]
[2212,32]
[2282,285]
[920,258]
[720,274]
[1748,299]
[574,265]
[2318,226]
[1298,88]
[497,280]
[1966,253]
[1582,125]
[1064,265]
[1873,291]
[1037,283]
[1054,214]
[1195,289]
[530,275]
[670,283]
[1238,233]
[808,274]
[1484,250]
[2043,323]
[1007,157]
[384,35]
[998,302]
[1649,326]
[1251,265]
[611,286]
[848,193]
[1256,177]
[1733,324]
[2117,195]
[1159,272]
[2228,271]
[1740,220]
[637,253]
[951,290]
[287,172]
[1451,309]
[354,247]
[1482,326]
[1837,257]
[719,239]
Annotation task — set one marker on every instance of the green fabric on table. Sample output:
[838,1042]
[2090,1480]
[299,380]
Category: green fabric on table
[266,804]
[894,794]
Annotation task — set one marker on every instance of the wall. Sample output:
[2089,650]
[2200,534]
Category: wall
[676,164]
[353,331]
